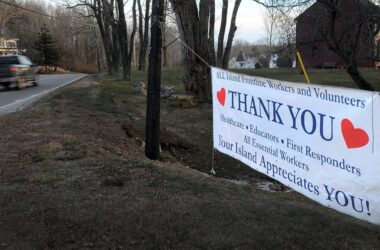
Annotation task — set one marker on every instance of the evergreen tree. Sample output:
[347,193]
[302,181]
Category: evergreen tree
[46,46]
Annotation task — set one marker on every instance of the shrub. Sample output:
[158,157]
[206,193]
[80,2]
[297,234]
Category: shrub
[85,68]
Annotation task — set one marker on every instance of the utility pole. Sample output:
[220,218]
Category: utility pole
[152,148]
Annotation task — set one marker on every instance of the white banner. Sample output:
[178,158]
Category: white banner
[320,141]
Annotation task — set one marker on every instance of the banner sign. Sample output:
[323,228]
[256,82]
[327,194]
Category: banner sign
[320,141]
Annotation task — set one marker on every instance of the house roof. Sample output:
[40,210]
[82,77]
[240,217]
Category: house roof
[241,57]
[6,34]
[308,11]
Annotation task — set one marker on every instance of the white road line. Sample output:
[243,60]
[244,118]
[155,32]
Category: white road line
[17,102]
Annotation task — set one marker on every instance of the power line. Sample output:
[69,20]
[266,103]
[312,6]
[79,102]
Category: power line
[26,9]
[36,12]
[57,2]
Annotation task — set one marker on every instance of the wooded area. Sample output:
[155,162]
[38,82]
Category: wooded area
[114,34]
[77,37]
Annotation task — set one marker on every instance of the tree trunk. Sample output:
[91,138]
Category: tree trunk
[143,33]
[194,29]
[231,35]
[211,39]
[132,41]
[152,149]
[146,31]
[187,16]
[104,13]
[123,40]
[163,31]
[219,57]
[116,49]
[165,55]
[116,46]
[107,46]
[111,28]
[104,33]
[354,73]
[165,52]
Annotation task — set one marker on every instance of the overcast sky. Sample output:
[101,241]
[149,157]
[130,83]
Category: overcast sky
[250,19]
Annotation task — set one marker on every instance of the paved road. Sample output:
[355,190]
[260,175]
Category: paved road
[12,100]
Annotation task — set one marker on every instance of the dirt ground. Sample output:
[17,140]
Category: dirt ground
[73,175]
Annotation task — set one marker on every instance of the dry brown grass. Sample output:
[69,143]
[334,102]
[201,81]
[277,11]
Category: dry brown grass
[50,70]
[73,175]
[85,68]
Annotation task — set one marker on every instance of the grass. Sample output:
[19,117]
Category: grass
[67,151]
[332,77]
[111,196]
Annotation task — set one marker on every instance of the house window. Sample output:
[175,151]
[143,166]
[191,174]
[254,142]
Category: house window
[314,52]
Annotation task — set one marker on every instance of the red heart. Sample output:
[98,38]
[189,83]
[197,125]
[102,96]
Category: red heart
[354,137]
[222,96]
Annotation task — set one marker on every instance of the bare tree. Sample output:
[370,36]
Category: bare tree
[109,16]
[125,45]
[169,38]
[223,23]
[281,30]
[349,29]
[286,36]
[118,44]
[8,13]
[143,32]
[196,28]
[231,35]
[195,24]
[77,37]
[271,21]
[104,13]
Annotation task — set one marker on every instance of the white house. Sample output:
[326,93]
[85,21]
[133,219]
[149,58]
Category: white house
[231,63]
[273,61]
[8,43]
[242,62]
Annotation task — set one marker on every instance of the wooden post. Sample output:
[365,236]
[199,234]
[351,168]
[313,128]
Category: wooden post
[303,67]
[152,149]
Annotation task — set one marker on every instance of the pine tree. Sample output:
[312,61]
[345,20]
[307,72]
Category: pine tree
[46,46]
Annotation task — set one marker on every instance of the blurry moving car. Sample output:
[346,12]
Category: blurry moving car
[17,71]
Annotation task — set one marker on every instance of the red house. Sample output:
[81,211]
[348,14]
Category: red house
[311,36]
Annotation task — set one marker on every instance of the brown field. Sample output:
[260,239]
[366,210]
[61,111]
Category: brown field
[73,175]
